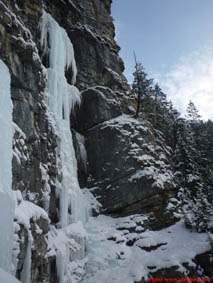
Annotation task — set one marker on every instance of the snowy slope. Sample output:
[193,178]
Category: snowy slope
[119,250]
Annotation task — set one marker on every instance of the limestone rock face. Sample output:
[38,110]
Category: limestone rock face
[91,28]
[96,50]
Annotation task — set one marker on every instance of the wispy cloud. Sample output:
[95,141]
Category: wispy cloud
[192,79]
[118,27]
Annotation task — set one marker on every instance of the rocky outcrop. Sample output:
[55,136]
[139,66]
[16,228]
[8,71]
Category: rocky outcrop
[128,160]
[132,165]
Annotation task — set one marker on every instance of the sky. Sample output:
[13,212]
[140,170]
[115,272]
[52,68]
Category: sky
[173,39]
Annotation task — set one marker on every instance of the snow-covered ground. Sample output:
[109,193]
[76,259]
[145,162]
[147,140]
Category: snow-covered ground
[119,250]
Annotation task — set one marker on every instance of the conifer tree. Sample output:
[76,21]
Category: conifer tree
[192,112]
[159,98]
[191,178]
[141,85]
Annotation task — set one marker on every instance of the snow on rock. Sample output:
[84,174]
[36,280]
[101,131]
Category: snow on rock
[130,169]
[157,170]
[17,21]
[69,247]
[95,205]
[46,190]
[115,254]
[6,200]
[20,151]
[115,75]
[26,211]
[92,32]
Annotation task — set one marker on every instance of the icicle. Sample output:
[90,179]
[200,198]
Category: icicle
[26,272]
[61,260]
[82,154]
[61,52]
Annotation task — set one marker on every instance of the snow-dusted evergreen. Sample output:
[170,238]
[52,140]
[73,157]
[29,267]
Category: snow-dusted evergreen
[193,176]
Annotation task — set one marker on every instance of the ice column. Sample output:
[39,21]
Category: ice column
[6,199]
[26,272]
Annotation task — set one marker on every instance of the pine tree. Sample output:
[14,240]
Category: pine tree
[159,95]
[192,112]
[165,115]
[209,138]
[141,85]
[159,100]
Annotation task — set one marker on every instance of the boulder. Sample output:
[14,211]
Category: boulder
[99,104]
[127,163]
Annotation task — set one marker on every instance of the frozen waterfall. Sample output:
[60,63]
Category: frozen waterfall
[61,99]
[6,199]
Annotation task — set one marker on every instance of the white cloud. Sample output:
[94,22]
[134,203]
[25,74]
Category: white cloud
[191,79]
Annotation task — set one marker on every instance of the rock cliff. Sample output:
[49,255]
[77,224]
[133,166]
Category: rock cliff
[124,162]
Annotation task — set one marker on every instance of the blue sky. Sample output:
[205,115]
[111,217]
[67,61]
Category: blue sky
[174,41]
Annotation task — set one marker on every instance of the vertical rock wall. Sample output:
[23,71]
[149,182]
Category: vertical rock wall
[91,28]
